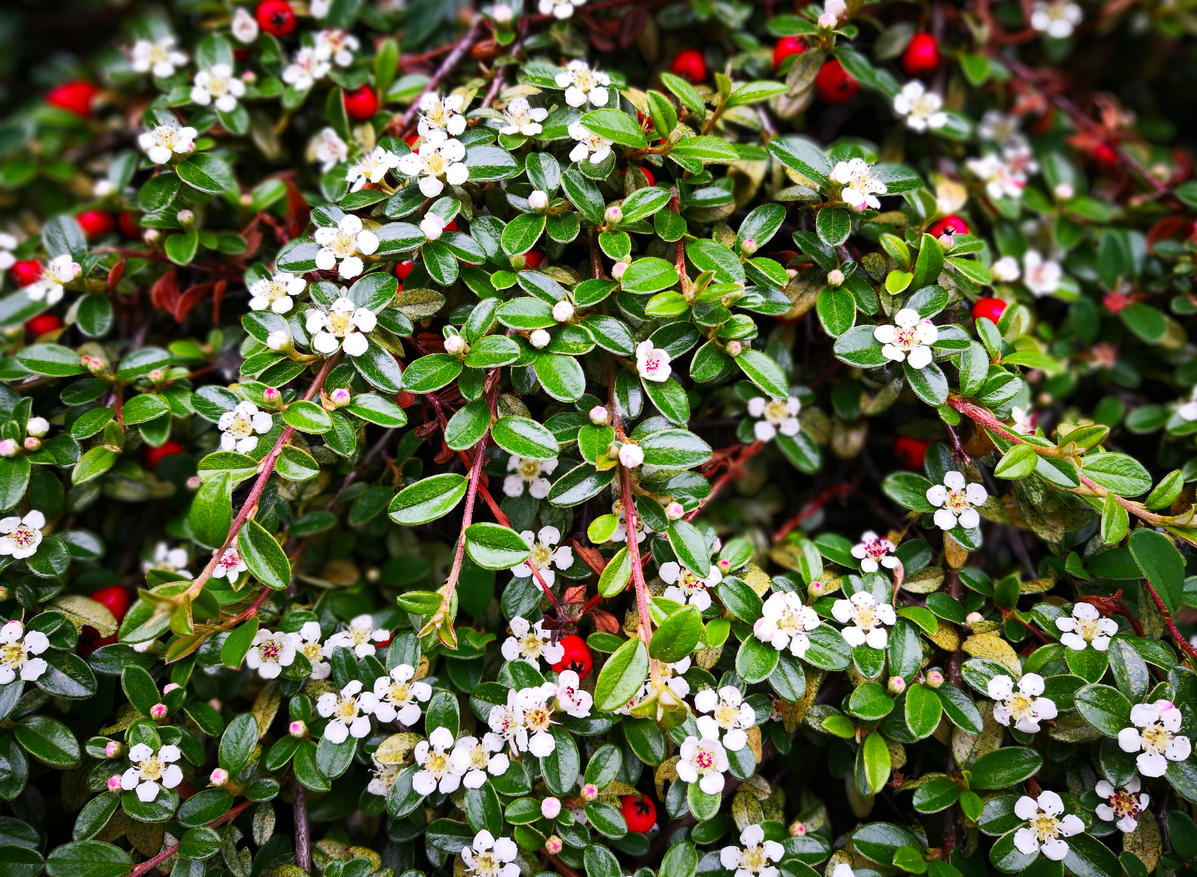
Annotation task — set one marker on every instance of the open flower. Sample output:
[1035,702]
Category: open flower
[230,565]
[150,772]
[218,85]
[860,187]
[1187,410]
[560,9]
[491,857]
[342,326]
[652,362]
[348,712]
[537,736]
[571,698]
[371,168]
[329,149]
[58,272]
[785,622]
[774,416]
[528,473]
[1024,421]
[755,857]
[1024,707]
[306,68]
[1123,805]
[868,618]
[1001,180]
[437,768]
[437,162]
[8,243]
[1006,269]
[278,293]
[398,697]
[923,109]
[545,555]
[312,649]
[162,142]
[1086,627]
[20,536]
[685,587]
[588,144]
[1041,276]
[520,117]
[341,243]
[507,721]
[168,559]
[1154,737]
[271,652]
[440,117]
[337,45]
[703,761]
[583,85]
[957,499]
[16,647]
[621,529]
[872,551]
[1046,830]
[244,27]
[360,636]
[239,426]
[475,759]
[1056,18]
[157,56]
[729,714]
[908,339]
[530,642]
[383,777]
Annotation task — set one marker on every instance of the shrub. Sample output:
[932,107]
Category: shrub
[437,444]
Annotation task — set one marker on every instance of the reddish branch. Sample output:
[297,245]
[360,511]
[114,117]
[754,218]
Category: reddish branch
[150,864]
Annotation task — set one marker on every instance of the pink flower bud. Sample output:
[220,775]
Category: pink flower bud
[748,247]
[194,483]
[553,845]
[114,749]
[797,830]
[563,310]
[9,448]
[934,678]
[501,13]
[340,397]
[92,364]
[151,236]
[896,685]
[114,783]
[185,217]
[631,455]
[724,565]
[549,808]
[297,729]
[170,686]
[216,704]
[734,348]
[456,345]
[156,376]
[613,215]
[674,511]
[589,792]
[946,241]
[618,268]
[1064,191]
[272,396]
[158,712]
[974,618]
[828,20]
[538,200]
[32,443]
[219,777]
[539,339]
[835,277]
[600,416]
[278,341]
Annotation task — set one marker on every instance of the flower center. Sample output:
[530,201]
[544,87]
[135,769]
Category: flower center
[531,643]
[339,323]
[775,411]
[529,469]
[271,650]
[727,715]
[876,549]
[230,560]
[957,501]
[151,769]
[399,692]
[866,617]
[241,428]
[437,764]
[923,106]
[1046,827]
[906,338]
[704,759]
[13,655]
[538,719]
[436,163]
[1021,706]
[346,708]
[23,536]
[157,54]
[486,864]
[754,859]
[1156,737]
[540,554]
[790,622]
[1123,803]
[584,80]
[313,652]
[218,86]
[1087,629]
[478,758]
[343,244]
[652,363]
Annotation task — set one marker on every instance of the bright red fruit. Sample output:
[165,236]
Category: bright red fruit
[577,656]
[402,269]
[648,175]
[533,259]
[27,271]
[921,56]
[689,65]
[276,17]
[96,223]
[73,96]
[639,812]
[948,225]
[43,323]
[911,451]
[130,227]
[452,225]
[834,84]
[785,47]
[154,456]
[117,599]
[989,308]
[1105,153]
[361,103]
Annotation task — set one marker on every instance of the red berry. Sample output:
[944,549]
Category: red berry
[75,97]
[154,456]
[451,225]
[96,223]
[533,259]
[577,656]
[402,269]
[921,56]
[834,84]
[1105,153]
[787,46]
[130,226]
[689,65]
[43,323]
[648,175]
[26,272]
[639,812]
[276,17]
[117,599]
[989,308]
[412,140]
[911,451]
[948,225]
[361,103]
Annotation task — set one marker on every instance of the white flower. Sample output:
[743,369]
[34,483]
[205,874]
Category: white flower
[1005,269]
[58,272]
[7,244]
[860,187]
[151,771]
[673,683]
[785,621]
[158,56]
[319,8]
[544,555]
[342,243]
[868,617]
[1154,737]
[279,341]
[437,162]
[37,426]
[1024,421]
[621,529]
[539,200]
[1086,627]
[168,559]
[957,500]
[398,697]
[1056,18]
[652,362]
[344,325]
[530,642]
[217,84]
[1000,180]
[230,565]
[589,144]
[729,714]
[1046,829]
[307,67]
[360,637]
[1188,410]
[476,758]
[337,45]
[685,587]
[329,149]
[20,536]
[244,27]
[583,85]
[530,473]
[312,649]
[521,117]
[873,550]
[441,118]
[437,768]
[239,426]
[703,761]
[278,293]
[779,415]
[923,109]
[1025,707]
[1125,805]
[1041,276]
[16,647]
[371,168]
[384,777]
[630,455]
[491,857]
[507,722]
[908,339]
[1019,158]
[271,652]
[997,126]
[164,141]
[537,737]
[432,226]
[571,698]
[349,712]
[560,9]
[755,855]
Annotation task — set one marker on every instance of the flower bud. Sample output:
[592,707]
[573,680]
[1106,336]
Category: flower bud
[748,247]
[797,829]
[156,376]
[896,685]
[170,686]
[158,712]
[828,20]
[674,511]
[724,564]
[103,188]
[151,236]
[92,364]
[563,310]
[456,345]
[618,268]
[9,448]
[279,341]
[946,241]
[245,28]
[186,217]
[114,749]
[297,729]
[835,277]
[432,226]
[974,618]
[340,397]
[32,443]
[540,338]
[194,483]
[219,777]
[501,13]
[538,200]
[37,426]
[246,200]
[631,455]
[614,215]
[249,77]
[114,783]
[553,845]
[216,704]
[1064,191]
[734,348]
[549,808]
[934,678]
[272,396]
[589,792]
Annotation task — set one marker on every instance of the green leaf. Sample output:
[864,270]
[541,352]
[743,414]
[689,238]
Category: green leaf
[756,660]
[212,511]
[803,156]
[263,555]
[48,740]
[674,449]
[237,743]
[1105,708]
[307,417]
[754,92]
[858,347]
[764,372]
[88,858]
[521,233]
[560,376]
[1124,475]
[833,225]
[525,438]
[616,126]
[493,546]
[1018,462]
[621,677]
[206,172]
[1160,563]
[874,759]
[1004,767]
[431,372]
[928,264]
[923,710]
[837,310]
[690,546]
[645,275]
[677,636]
[928,383]
[686,93]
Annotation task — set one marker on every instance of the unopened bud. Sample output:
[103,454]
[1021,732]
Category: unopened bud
[9,448]
[974,618]
[896,685]
[37,426]
[553,845]
[946,241]
[158,711]
[563,310]
[600,416]
[186,217]
[835,277]
[92,364]
[798,829]
[216,704]
[549,808]
[432,226]
[674,511]
[538,200]
[618,268]
[272,396]
[170,686]
[540,338]
[219,777]
[340,397]
[194,483]
[589,792]
[828,20]
[734,348]
[748,247]
[151,236]
[631,455]
[614,214]
[114,749]
[456,345]
[32,443]
[501,13]
[246,200]
[279,341]
[103,188]
[156,376]
[297,729]
[1064,191]
[934,678]
[114,783]
[249,77]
